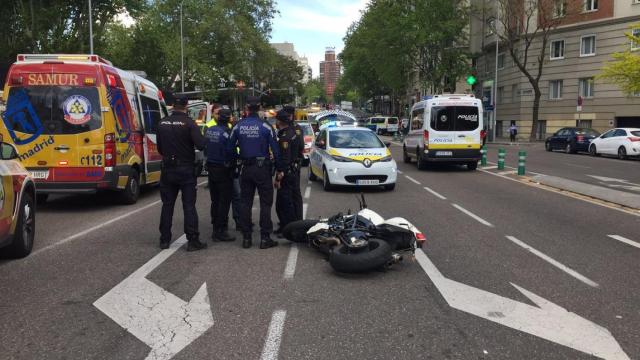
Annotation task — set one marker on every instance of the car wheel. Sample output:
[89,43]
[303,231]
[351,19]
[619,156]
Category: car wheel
[326,183]
[25,228]
[312,176]
[376,256]
[405,156]
[131,192]
[547,146]
[41,199]
[593,151]
[390,187]
[472,165]
[422,164]
[622,153]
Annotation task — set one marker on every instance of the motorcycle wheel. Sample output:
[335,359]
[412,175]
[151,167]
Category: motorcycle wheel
[378,255]
[297,230]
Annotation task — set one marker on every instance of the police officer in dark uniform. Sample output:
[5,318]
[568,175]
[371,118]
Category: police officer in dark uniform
[284,199]
[257,145]
[177,136]
[220,165]
[297,146]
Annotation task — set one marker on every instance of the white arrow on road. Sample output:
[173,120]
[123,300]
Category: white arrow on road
[609,179]
[548,321]
[624,184]
[160,319]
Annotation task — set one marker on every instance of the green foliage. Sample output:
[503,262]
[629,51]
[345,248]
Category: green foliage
[313,92]
[624,71]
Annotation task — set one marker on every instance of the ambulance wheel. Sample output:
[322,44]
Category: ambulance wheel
[41,198]
[131,192]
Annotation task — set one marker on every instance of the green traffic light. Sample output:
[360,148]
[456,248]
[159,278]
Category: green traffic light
[471,80]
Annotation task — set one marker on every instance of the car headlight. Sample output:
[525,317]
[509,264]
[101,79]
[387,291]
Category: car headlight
[386,158]
[341,158]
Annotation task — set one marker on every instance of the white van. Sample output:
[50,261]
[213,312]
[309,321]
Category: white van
[383,125]
[445,128]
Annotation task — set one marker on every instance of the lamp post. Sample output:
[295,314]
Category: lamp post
[90,29]
[181,50]
[495,80]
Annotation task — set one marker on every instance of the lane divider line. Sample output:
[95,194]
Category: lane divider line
[400,172]
[489,167]
[274,336]
[473,216]
[412,180]
[555,263]
[292,260]
[434,193]
[625,240]
[307,192]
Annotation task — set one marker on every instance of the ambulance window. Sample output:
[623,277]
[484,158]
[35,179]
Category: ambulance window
[417,119]
[150,113]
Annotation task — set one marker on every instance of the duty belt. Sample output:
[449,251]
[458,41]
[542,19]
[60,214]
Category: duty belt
[260,161]
[174,162]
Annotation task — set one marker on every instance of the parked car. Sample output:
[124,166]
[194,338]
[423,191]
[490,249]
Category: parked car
[308,137]
[623,142]
[17,204]
[571,140]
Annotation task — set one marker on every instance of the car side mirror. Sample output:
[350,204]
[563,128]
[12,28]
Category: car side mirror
[387,143]
[321,144]
[8,151]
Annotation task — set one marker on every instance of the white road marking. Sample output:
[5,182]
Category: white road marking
[290,268]
[546,320]
[435,193]
[474,216]
[305,207]
[157,317]
[555,263]
[578,166]
[309,182]
[489,167]
[307,192]
[506,172]
[94,228]
[625,240]
[274,336]
[412,180]
[400,172]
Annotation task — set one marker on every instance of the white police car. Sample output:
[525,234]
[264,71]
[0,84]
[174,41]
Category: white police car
[351,156]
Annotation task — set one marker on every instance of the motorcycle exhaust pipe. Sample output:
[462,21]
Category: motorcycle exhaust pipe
[328,240]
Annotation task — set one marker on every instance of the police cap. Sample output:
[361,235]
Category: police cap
[289,109]
[181,101]
[282,115]
[253,100]
[224,114]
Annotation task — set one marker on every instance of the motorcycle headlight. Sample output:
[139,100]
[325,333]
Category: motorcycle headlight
[341,158]
[386,158]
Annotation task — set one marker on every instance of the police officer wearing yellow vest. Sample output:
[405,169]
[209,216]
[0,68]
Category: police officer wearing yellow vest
[177,136]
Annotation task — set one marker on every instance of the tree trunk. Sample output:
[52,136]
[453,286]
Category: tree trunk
[534,116]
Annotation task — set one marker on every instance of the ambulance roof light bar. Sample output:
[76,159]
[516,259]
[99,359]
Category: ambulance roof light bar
[62,57]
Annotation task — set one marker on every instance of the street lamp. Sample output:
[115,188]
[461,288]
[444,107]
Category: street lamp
[90,29]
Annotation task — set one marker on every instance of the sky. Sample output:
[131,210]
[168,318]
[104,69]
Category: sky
[313,25]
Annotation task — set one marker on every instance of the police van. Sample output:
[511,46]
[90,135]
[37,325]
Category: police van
[82,125]
[447,129]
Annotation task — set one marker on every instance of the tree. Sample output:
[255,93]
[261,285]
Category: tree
[313,92]
[625,70]
[520,25]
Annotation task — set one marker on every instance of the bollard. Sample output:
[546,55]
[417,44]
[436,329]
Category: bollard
[501,156]
[483,151]
[522,157]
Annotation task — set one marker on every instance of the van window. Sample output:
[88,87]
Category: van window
[454,118]
[377,121]
[417,119]
[53,110]
[150,114]
[392,121]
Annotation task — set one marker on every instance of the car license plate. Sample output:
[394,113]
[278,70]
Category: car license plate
[41,174]
[444,153]
[368,182]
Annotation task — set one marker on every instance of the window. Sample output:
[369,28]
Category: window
[454,118]
[590,5]
[635,45]
[557,49]
[417,119]
[500,61]
[354,139]
[321,140]
[555,89]
[514,93]
[559,8]
[585,124]
[586,86]
[500,95]
[620,132]
[150,114]
[588,45]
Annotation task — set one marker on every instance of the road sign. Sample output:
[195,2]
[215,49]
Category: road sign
[579,108]
[545,320]
[157,317]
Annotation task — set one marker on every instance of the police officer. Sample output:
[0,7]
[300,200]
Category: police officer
[284,200]
[297,146]
[220,164]
[177,136]
[256,142]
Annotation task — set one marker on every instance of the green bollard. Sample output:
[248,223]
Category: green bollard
[483,151]
[522,157]
[501,155]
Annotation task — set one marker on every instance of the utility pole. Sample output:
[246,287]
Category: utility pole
[90,29]
[181,50]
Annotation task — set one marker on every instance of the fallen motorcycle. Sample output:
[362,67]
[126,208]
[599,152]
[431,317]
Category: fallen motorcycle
[359,242]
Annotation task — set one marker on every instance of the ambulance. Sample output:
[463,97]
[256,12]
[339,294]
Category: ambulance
[81,125]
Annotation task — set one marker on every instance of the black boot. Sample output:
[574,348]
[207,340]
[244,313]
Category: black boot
[164,244]
[266,243]
[223,236]
[246,242]
[196,245]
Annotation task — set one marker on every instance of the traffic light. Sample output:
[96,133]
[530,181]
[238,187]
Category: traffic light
[471,80]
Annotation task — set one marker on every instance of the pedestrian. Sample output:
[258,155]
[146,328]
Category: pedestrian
[257,145]
[284,200]
[513,131]
[177,137]
[298,151]
[220,164]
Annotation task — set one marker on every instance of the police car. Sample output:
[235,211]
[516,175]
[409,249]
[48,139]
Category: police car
[351,156]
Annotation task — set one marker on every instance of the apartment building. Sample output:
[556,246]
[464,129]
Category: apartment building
[330,70]
[589,32]
[288,49]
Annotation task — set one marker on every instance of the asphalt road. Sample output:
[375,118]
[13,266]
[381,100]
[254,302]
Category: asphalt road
[501,245]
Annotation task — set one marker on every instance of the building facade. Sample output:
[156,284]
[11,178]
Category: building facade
[287,49]
[589,32]
[330,70]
